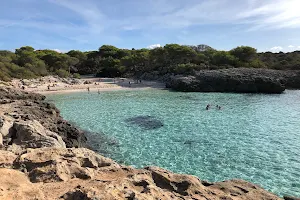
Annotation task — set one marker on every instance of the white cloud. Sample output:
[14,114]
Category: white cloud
[267,14]
[276,49]
[153,46]
[291,46]
[58,50]
[93,21]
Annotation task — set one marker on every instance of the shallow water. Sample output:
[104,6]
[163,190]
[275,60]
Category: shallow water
[254,137]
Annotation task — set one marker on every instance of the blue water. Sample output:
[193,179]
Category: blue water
[254,137]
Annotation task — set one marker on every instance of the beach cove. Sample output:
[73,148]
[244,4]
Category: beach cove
[253,137]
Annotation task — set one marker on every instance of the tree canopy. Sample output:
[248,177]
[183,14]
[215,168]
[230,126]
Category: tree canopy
[110,61]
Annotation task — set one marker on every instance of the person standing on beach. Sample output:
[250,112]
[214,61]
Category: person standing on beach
[88,89]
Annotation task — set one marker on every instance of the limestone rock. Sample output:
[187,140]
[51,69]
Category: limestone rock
[29,106]
[31,134]
[16,185]
[15,94]
[60,173]
[228,80]
[7,159]
[5,125]
[61,164]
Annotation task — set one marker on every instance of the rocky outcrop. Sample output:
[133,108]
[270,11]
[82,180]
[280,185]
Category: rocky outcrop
[58,173]
[10,94]
[31,134]
[21,106]
[229,80]
[61,164]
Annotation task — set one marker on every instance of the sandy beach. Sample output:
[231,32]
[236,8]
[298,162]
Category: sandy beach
[51,84]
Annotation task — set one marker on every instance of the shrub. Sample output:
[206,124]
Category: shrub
[76,75]
[62,73]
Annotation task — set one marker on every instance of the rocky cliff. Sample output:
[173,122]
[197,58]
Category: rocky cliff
[240,80]
[41,157]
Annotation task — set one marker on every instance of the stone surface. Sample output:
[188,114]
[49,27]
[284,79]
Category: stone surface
[31,134]
[29,106]
[16,185]
[15,94]
[7,159]
[60,173]
[61,164]
[229,80]
[5,125]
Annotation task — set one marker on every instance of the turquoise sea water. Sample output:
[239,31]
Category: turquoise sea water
[255,137]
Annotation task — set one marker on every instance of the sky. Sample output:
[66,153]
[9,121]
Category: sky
[62,25]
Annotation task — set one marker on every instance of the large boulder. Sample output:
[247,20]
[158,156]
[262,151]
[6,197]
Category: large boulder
[28,106]
[229,80]
[61,164]
[31,134]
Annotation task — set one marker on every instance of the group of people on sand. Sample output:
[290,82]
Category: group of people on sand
[209,106]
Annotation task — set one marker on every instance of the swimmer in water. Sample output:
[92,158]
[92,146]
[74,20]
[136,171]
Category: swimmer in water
[207,107]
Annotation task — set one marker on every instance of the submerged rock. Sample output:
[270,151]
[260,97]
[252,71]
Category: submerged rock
[145,122]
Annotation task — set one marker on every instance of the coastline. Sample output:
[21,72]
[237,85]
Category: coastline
[59,85]
[52,172]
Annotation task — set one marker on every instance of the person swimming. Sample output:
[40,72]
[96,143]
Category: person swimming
[207,107]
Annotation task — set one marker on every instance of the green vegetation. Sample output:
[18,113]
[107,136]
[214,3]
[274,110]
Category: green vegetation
[110,61]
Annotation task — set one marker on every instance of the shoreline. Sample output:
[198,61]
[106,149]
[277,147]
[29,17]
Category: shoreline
[56,85]
[79,90]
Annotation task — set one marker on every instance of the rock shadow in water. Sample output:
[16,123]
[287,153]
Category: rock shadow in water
[188,142]
[101,143]
[145,122]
